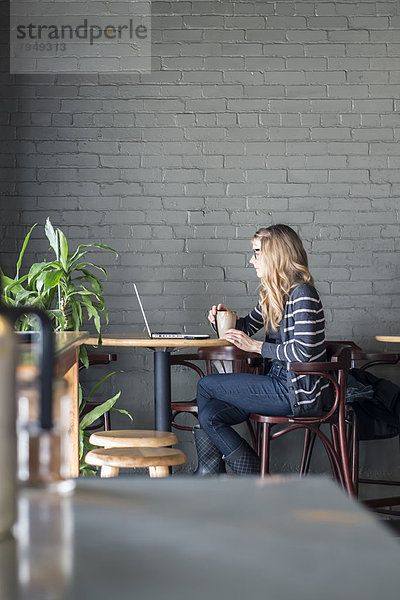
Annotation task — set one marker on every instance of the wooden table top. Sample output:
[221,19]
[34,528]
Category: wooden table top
[144,341]
[388,338]
[66,340]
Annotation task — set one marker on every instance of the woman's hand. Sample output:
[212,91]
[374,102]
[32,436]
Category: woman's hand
[243,341]
[213,311]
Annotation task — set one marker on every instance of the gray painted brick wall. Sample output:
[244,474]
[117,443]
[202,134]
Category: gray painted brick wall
[254,113]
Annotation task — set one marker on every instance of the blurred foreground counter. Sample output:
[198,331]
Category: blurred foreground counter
[65,440]
[183,537]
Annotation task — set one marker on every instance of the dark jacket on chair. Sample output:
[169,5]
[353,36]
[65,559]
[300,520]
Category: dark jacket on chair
[378,416]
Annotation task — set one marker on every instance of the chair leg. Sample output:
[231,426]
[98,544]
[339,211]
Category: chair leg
[265,448]
[109,471]
[336,446]
[353,445]
[107,421]
[308,446]
[258,438]
[158,472]
[331,449]
[344,457]
[355,454]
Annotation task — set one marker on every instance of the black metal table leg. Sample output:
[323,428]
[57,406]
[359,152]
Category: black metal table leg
[162,390]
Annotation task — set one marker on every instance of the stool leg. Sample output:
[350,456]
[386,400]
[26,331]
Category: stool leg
[159,471]
[109,471]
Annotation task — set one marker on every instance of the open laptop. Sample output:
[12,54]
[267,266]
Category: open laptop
[184,336]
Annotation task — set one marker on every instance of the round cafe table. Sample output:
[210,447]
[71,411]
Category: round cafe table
[162,348]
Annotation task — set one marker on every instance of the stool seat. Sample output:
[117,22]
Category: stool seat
[133,438]
[156,459]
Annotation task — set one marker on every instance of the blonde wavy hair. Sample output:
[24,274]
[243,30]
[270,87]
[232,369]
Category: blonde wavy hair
[285,265]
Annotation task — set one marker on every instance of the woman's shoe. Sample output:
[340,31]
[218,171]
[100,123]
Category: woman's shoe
[243,460]
[209,457]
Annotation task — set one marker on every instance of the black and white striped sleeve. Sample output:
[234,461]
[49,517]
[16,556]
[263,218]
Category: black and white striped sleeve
[303,329]
[252,323]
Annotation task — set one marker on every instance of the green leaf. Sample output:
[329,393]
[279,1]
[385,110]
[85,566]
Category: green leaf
[75,318]
[63,248]
[39,282]
[51,279]
[39,268]
[14,287]
[23,295]
[81,292]
[92,279]
[6,280]
[80,394]
[21,254]
[81,447]
[83,265]
[77,255]
[88,470]
[51,236]
[100,383]
[98,412]
[123,412]
[103,246]
[92,313]
[57,315]
[83,356]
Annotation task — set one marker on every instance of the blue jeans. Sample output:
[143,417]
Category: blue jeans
[225,400]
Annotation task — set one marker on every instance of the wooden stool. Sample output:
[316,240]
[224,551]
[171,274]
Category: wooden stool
[133,438]
[157,460]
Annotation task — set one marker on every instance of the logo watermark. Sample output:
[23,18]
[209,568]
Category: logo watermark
[80,37]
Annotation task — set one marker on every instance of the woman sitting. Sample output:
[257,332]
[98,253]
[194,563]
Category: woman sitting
[290,309]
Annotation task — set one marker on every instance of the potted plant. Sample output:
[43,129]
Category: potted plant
[69,288]
[66,287]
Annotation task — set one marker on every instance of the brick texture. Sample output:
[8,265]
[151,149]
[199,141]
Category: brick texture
[255,113]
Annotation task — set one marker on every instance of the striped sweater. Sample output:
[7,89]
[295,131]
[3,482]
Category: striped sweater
[300,338]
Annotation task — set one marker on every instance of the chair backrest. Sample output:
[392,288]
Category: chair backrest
[374,359]
[335,369]
[99,358]
[341,356]
[230,359]
[350,343]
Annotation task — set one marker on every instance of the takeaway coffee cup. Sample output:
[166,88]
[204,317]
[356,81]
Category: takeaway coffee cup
[225,319]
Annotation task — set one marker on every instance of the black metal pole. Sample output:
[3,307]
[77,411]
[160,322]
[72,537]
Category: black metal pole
[162,391]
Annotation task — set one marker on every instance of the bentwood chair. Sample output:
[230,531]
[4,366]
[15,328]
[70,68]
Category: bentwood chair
[334,370]
[187,406]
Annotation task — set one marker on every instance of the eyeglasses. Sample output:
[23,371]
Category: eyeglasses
[256,252]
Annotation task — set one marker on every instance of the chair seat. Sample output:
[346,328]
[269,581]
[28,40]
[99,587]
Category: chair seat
[273,420]
[189,406]
[130,458]
[133,438]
